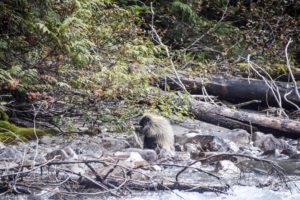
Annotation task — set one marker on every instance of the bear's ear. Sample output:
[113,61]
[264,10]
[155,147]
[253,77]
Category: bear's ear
[144,121]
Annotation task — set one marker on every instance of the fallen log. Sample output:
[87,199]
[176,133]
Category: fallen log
[231,118]
[238,90]
[287,77]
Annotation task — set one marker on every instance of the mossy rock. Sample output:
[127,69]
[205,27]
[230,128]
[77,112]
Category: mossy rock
[12,133]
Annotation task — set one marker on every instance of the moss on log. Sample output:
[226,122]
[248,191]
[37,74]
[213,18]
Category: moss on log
[11,133]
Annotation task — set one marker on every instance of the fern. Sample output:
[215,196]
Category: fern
[184,11]
[4,76]
[15,70]
[28,76]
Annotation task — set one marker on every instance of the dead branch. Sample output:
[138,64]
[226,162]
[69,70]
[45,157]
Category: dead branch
[224,156]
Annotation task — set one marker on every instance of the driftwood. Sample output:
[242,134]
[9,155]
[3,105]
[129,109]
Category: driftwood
[231,118]
[114,181]
[237,89]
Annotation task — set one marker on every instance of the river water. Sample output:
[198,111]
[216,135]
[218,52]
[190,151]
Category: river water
[236,193]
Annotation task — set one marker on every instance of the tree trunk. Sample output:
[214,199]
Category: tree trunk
[231,118]
[238,90]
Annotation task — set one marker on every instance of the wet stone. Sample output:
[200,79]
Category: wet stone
[38,158]
[93,150]
[62,154]
[191,148]
[240,136]
[10,154]
[289,152]
[155,168]
[227,167]
[134,141]
[147,154]
[115,144]
[268,142]
[163,153]
[182,156]
[209,143]
[135,160]
[49,140]
[295,156]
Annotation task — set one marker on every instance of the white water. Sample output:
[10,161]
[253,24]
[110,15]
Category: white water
[236,193]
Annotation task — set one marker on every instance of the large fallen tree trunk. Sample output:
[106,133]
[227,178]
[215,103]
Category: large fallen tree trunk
[231,118]
[238,90]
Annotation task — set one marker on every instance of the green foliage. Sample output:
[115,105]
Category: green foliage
[16,78]
[93,46]
[184,11]
[119,122]
[70,33]
[221,30]
[173,104]
[48,26]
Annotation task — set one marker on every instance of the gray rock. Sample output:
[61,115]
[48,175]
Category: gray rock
[62,154]
[115,144]
[227,167]
[191,148]
[38,159]
[10,154]
[48,140]
[94,150]
[209,143]
[134,141]
[164,153]
[268,142]
[272,154]
[292,152]
[190,125]
[147,154]
[180,156]
[43,195]
[240,136]
[135,160]
[155,168]
[291,167]
[255,166]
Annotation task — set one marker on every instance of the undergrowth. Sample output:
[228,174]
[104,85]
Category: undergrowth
[91,46]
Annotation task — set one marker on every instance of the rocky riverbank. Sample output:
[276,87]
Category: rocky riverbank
[208,158]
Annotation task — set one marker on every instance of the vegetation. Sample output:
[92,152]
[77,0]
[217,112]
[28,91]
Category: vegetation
[102,51]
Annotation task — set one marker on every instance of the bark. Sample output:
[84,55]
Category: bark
[231,118]
[238,90]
